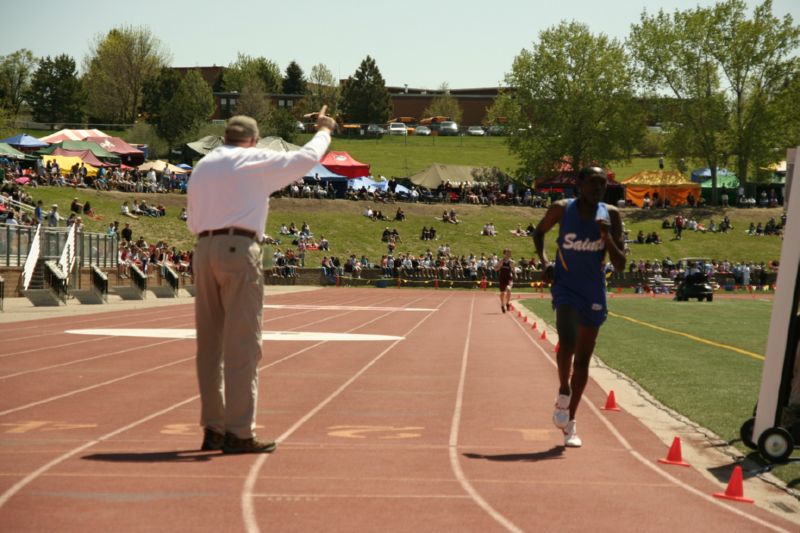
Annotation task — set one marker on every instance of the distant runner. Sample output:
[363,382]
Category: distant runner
[505,274]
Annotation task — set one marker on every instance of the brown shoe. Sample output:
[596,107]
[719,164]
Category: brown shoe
[212,440]
[234,444]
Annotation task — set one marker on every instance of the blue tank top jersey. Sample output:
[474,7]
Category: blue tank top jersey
[579,277]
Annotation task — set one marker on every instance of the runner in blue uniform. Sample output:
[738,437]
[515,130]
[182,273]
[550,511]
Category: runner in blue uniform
[587,229]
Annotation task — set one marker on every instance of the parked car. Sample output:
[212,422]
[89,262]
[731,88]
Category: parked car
[496,130]
[422,130]
[476,131]
[300,127]
[397,128]
[448,127]
[694,285]
[375,130]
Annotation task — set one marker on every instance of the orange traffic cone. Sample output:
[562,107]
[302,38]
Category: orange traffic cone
[544,335]
[526,319]
[557,346]
[735,490]
[674,455]
[619,290]
[519,314]
[511,306]
[534,326]
[611,403]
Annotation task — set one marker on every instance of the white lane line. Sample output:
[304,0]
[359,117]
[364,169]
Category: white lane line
[49,349]
[102,319]
[98,385]
[71,393]
[41,470]
[613,430]
[19,485]
[454,430]
[188,334]
[248,510]
[344,307]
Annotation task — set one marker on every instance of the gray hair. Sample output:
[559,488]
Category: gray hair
[241,128]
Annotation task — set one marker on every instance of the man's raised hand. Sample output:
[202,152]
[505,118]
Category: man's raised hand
[324,121]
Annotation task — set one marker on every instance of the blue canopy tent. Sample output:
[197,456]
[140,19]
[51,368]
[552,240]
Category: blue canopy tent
[702,174]
[23,141]
[324,176]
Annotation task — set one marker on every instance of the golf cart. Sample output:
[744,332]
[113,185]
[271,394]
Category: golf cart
[694,285]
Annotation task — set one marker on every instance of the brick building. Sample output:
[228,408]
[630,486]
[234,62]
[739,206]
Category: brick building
[406,101]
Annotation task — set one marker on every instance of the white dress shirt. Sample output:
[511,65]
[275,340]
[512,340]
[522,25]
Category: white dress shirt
[230,187]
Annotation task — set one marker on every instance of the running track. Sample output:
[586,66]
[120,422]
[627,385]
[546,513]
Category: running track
[447,429]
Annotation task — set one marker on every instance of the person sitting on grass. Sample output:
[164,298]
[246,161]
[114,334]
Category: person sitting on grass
[519,232]
[425,235]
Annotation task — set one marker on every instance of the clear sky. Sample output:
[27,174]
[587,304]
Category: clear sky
[421,43]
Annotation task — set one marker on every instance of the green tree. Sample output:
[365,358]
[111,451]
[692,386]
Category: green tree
[254,102]
[5,124]
[444,105]
[571,101]
[757,57]
[732,76]
[16,70]
[117,68]
[247,68]
[281,123]
[364,97]
[294,82]
[159,91]
[322,90]
[55,94]
[190,107]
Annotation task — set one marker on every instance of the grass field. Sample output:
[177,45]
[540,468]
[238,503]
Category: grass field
[395,155]
[341,221]
[714,386]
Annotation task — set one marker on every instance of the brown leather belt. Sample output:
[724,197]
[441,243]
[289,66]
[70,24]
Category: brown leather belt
[228,231]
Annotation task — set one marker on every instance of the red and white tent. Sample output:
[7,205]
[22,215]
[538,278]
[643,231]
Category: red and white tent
[343,164]
[115,145]
[71,135]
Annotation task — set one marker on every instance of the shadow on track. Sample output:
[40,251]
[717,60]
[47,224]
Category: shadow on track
[178,456]
[556,452]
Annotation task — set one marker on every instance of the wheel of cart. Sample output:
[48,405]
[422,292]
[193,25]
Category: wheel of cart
[776,445]
[746,433]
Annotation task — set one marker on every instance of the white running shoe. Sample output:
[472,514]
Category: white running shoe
[571,438]
[561,412]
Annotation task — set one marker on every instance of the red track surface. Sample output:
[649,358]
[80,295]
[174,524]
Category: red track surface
[446,430]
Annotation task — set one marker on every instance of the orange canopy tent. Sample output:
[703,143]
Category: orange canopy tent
[668,184]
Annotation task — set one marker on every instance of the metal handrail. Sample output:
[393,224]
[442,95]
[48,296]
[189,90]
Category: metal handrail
[56,280]
[172,278]
[100,282]
[91,248]
[138,278]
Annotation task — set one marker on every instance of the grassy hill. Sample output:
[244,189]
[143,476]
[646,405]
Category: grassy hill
[402,156]
[341,221]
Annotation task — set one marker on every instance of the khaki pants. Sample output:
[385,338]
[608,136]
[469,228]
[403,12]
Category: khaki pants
[229,298]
